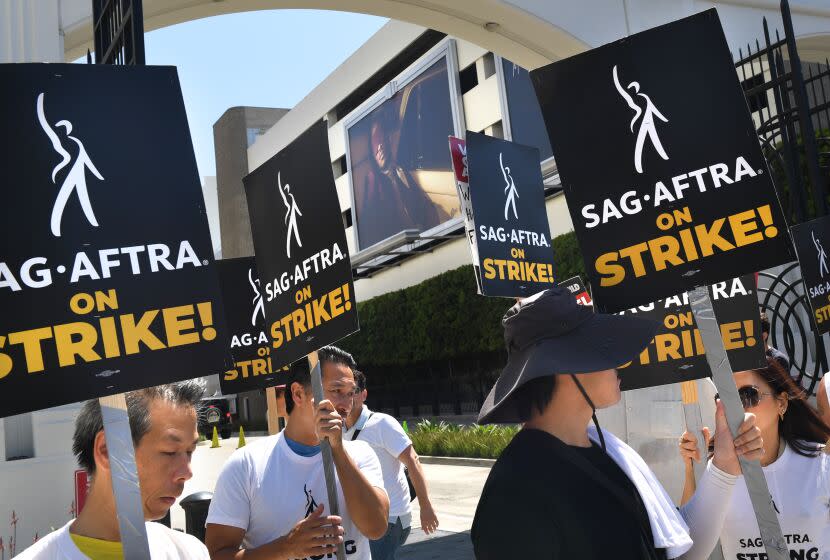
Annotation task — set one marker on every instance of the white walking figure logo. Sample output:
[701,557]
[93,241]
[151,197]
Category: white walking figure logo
[509,189]
[75,179]
[291,215]
[647,126]
[259,304]
[822,255]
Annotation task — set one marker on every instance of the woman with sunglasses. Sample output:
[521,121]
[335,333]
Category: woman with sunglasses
[797,472]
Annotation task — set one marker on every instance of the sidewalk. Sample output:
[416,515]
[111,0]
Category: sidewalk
[454,492]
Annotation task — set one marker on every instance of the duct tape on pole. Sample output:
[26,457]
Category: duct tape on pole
[124,474]
[756,484]
[325,447]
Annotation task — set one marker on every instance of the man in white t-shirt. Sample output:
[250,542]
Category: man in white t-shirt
[270,499]
[394,449]
[163,425]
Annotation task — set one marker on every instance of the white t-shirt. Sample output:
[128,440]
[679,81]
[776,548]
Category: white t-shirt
[800,489]
[165,544]
[266,488]
[387,438]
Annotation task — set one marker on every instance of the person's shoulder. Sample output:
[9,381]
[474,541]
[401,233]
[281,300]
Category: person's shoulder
[361,452]
[256,450]
[384,421]
[358,449]
[254,456]
[47,546]
[187,546]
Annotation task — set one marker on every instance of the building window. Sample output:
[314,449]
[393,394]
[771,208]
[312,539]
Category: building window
[488,63]
[757,101]
[253,133]
[468,78]
[339,167]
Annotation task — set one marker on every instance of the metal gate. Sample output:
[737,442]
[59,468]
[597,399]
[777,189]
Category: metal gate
[790,103]
[118,29]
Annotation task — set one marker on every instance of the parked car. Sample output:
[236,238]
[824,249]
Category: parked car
[219,412]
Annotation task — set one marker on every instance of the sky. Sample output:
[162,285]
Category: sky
[266,58]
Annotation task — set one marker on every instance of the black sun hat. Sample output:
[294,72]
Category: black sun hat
[549,333]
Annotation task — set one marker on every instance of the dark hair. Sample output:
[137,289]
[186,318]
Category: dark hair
[801,426]
[299,371]
[359,381]
[535,394]
[90,422]
[764,322]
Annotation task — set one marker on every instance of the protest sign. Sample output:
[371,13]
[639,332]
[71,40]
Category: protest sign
[302,256]
[677,354]
[810,239]
[245,318]
[458,152]
[667,186]
[578,289]
[303,261]
[107,279]
[508,201]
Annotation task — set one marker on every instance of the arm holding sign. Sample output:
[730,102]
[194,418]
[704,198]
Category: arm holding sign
[706,510]
[366,500]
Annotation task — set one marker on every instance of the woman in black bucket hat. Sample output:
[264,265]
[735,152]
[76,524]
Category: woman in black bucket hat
[562,490]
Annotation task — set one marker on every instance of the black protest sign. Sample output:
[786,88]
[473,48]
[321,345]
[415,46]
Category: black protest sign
[301,250]
[512,232]
[249,345]
[107,279]
[810,239]
[578,289]
[660,163]
[677,354]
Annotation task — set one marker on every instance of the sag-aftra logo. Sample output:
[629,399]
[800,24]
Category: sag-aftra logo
[74,167]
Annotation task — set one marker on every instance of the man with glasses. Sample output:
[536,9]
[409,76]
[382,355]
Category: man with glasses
[271,500]
[395,451]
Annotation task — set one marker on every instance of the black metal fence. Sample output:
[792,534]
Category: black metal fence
[790,102]
[118,29]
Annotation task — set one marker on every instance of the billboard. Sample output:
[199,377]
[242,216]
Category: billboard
[401,172]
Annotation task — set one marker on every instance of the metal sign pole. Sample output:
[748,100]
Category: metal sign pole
[694,424]
[124,477]
[325,447]
[718,361]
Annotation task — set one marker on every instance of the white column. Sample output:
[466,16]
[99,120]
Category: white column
[30,31]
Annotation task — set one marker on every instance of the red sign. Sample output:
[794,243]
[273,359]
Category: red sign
[81,490]
[577,288]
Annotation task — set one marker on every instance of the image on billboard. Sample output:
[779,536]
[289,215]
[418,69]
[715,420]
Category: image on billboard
[401,171]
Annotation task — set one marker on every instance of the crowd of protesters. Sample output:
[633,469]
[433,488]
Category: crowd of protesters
[563,488]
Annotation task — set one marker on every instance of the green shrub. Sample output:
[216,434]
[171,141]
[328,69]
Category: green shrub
[451,440]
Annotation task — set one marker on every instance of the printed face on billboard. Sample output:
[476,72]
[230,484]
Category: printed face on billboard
[401,171]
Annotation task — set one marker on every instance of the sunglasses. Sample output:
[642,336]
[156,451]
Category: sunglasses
[750,396]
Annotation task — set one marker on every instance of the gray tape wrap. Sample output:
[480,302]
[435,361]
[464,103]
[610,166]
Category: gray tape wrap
[328,459]
[756,484]
[124,474]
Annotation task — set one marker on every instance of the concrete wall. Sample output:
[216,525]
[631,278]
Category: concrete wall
[230,138]
[210,193]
